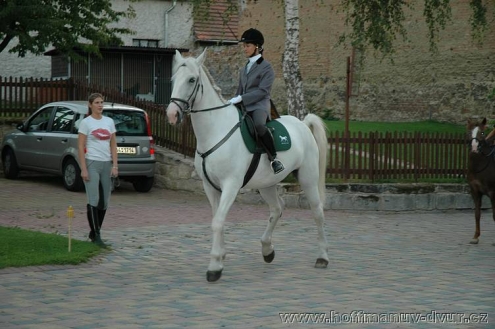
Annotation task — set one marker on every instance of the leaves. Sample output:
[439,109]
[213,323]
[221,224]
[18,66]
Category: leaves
[378,23]
[375,22]
[63,24]
[478,20]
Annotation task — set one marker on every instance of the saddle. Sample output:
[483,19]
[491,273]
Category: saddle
[280,134]
[253,143]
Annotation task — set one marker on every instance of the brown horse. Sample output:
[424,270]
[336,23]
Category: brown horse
[481,170]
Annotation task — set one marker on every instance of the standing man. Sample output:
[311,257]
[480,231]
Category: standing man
[255,84]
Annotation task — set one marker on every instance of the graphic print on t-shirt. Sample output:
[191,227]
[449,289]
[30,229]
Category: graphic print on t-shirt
[101,134]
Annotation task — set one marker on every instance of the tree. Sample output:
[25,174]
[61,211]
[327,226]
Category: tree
[64,24]
[290,62]
[377,23]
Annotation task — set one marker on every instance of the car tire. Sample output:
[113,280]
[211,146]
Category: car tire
[10,166]
[143,184]
[72,176]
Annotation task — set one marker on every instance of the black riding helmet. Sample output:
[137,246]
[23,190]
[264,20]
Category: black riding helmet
[253,36]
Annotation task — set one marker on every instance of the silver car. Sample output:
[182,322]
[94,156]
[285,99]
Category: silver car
[47,142]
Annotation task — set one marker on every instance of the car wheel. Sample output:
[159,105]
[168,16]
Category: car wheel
[143,184]
[72,176]
[10,167]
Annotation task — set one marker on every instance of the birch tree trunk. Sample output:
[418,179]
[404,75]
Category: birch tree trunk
[290,63]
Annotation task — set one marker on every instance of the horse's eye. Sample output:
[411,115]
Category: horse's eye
[192,80]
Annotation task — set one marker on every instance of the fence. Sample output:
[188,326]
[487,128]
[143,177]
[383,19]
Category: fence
[368,157]
[397,156]
[20,97]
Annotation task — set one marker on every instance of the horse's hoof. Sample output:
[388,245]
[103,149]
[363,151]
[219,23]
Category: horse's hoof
[474,241]
[212,276]
[321,263]
[270,257]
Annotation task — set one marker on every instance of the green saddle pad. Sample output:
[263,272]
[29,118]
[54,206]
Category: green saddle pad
[280,135]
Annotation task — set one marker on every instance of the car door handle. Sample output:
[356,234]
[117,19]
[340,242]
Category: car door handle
[39,138]
[65,140]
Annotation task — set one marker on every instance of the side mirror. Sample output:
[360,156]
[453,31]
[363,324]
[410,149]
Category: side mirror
[20,126]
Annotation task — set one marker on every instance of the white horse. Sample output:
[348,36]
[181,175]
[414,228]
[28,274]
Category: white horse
[222,159]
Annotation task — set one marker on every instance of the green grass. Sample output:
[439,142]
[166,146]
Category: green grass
[20,247]
[422,126]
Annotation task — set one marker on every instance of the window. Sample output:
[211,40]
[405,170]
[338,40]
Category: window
[40,121]
[150,43]
[128,123]
[63,120]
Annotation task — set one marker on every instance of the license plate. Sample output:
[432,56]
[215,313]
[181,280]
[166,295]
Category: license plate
[126,150]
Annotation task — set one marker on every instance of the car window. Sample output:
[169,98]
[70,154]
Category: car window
[128,123]
[39,122]
[62,122]
[77,121]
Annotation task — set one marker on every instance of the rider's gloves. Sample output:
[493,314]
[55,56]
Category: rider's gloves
[236,99]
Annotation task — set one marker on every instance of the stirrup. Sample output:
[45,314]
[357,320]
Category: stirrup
[277,166]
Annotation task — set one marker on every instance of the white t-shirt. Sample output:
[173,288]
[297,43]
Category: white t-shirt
[98,132]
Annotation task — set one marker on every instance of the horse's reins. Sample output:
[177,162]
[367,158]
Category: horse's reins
[189,109]
[489,155]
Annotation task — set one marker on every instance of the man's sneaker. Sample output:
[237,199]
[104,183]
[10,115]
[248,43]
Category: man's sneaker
[277,166]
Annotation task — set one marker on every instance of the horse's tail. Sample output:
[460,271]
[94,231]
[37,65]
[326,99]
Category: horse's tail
[319,130]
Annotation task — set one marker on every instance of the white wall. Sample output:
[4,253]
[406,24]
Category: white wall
[149,23]
[26,67]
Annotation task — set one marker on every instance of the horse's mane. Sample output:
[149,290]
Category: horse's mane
[203,68]
[213,83]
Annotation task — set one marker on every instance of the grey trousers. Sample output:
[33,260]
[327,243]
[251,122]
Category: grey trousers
[259,119]
[98,188]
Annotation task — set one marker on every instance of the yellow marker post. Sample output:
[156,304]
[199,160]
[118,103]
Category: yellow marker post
[70,215]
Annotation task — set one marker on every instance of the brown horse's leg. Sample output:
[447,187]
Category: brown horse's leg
[477,215]
[492,198]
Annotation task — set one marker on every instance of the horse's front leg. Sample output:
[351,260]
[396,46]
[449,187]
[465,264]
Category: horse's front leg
[477,197]
[217,254]
[271,197]
[492,199]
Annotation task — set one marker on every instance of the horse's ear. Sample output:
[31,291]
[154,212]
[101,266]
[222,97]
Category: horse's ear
[178,55]
[177,59]
[201,58]
[483,122]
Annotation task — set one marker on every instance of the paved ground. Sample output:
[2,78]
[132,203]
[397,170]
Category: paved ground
[416,268]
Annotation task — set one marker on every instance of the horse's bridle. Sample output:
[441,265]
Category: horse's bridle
[188,104]
[189,109]
[489,156]
[191,100]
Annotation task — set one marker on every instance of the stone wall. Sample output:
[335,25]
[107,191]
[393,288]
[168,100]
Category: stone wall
[415,84]
[174,171]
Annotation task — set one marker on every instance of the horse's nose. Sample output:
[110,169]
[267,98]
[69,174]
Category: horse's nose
[474,147]
[172,113]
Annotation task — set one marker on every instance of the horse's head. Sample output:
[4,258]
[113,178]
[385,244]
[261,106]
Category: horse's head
[186,82]
[477,134]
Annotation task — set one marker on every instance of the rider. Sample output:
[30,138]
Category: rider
[255,84]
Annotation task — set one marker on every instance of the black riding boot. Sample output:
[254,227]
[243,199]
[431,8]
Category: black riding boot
[267,141]
[101,216]
[94,224]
